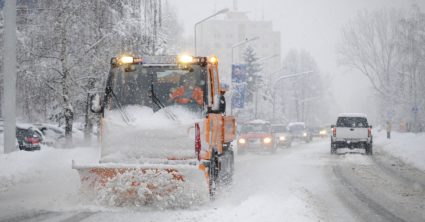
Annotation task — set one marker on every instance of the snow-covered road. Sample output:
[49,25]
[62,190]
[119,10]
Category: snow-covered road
[302,183]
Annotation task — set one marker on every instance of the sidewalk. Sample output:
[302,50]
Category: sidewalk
[408,147]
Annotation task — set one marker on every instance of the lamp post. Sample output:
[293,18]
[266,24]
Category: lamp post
[242,43]
[9,75]
[280,79]
[205,19]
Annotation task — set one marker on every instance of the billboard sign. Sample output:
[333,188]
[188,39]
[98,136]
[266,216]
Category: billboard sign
[239,76]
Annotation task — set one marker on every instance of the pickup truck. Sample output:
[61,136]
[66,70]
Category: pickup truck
[352,131]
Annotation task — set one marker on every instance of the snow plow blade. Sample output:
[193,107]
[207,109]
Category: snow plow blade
[163,186]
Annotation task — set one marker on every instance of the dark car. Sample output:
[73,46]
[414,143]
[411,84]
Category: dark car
[28,137]
[300,132]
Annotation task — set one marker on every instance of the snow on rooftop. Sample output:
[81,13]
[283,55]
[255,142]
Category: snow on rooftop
[258,121]
[296,123]
[25,125]
[352,115]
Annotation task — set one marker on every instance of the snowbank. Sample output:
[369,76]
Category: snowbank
[22,167]
[408,147]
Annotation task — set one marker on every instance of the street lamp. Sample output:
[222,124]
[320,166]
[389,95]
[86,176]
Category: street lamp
[205,19]
[242,43]
[280,79]
[263,59]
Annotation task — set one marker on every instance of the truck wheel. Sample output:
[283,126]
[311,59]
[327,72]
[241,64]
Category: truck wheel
[369,149]
[226,174]
[213,175]
[333,148]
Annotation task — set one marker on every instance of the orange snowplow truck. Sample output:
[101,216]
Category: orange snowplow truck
[163,137]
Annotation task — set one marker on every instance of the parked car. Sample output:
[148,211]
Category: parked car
[281,135]
[256,136]
[352,130]
[28,137]
[300,132]
[53,135]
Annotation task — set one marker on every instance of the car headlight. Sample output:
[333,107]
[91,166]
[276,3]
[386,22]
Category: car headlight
[242,141]
[267,140]
[304,134]
[282,138]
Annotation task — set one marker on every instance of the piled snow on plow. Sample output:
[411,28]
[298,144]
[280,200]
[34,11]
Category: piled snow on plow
[146,159]
[147,135]
[155,188]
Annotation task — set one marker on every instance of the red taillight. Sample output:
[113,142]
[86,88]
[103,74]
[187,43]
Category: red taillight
[32,140]
[334,131]
[198,141]
[369,132]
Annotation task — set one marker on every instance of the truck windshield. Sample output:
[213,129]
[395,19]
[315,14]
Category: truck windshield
[156,87]
[352,122]
[297,127]
[279,129]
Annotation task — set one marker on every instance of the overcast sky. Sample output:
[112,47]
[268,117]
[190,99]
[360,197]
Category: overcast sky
[313,25]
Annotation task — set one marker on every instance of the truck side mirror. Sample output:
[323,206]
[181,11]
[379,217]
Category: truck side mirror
[370,126]
[332,126]
[96,103]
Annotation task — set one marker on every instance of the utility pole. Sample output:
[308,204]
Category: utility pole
[9,73]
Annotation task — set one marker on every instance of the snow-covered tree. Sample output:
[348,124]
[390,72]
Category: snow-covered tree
[301,98]
[64,49]
[253,69]
[388,47]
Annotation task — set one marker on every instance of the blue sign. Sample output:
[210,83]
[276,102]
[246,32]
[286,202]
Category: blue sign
[238,95]
[238,85]
[239,73]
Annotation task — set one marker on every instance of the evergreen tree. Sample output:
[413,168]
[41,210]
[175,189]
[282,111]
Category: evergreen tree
[253,69]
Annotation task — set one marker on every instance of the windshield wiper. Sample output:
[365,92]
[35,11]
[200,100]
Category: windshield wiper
[122,111]
[160,104]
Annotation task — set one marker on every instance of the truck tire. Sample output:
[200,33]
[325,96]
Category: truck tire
[369,149]
[289,144]
[227,168]
[213,172]
[333,148]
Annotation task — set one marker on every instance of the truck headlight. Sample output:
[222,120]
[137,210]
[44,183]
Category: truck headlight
[282,138]
[304,134]
[322,132]
[267,140]
[242,141]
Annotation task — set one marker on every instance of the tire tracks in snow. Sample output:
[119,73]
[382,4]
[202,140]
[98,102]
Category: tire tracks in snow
[400,170]
[369,202]
[41,216]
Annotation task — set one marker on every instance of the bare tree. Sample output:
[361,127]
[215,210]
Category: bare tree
[388,47]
